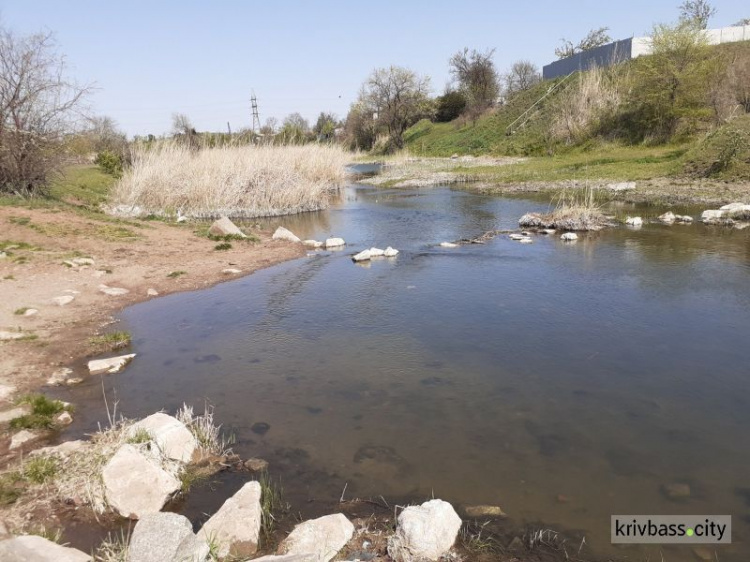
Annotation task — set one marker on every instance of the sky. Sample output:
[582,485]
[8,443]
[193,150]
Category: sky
[150,59]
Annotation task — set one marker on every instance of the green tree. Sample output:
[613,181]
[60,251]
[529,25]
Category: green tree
[594,38]
[449,106]
[294,129]
[696,13]
[671,85]
[477,78]
[325,126]
[396,97]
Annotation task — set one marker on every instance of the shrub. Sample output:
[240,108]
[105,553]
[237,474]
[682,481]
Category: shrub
[110,163]
[450,106]
[725,152]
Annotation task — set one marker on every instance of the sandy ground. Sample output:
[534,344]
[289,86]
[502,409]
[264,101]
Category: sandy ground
[59,335]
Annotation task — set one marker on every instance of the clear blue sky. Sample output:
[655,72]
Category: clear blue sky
[150,59]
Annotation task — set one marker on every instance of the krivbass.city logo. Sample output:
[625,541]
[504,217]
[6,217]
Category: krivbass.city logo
[672,529]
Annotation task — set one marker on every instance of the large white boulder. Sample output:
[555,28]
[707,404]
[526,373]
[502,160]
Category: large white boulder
[621,186]
[569,236]
[315,244]
[136,485]
[32,548]
[161,537]
[376,252]
[322,537]
[236,526]
[390,252]
[171,436]
[225,227]
[424,532]
[110,364]
[284,234]
[334,242]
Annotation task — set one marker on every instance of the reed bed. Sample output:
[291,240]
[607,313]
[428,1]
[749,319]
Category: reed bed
[235,181]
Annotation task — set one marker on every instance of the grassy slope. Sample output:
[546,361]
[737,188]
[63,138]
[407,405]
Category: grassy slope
[596,160]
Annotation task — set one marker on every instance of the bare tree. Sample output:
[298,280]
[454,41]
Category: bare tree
[397,98]
[594,38]
[521,76]
[742,22]
[39,105]
[477,78]
[294,129]
[697,13]
[269,127]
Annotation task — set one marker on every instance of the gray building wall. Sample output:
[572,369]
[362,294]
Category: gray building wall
[606,55]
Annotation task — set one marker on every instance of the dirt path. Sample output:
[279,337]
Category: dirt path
[133,255]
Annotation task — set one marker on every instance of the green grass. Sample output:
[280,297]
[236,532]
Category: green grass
[271,504]
[111,341]
[202,232]
[40,469]
[223,246]
[43,412]
[84,186]
[21,311]
[140,436]
[176,274]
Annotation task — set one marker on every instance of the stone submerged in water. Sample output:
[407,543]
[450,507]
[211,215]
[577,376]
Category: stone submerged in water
[322,538]
[426,531]
[484,511]
[285,234]
[634,221]
[569,237]
[668,218]
[315,244]
[535,220]
[364,255]
[225,227]
[32,548]
[235,528]
[448,245]
[110,365]
[677,491]
[334,242]
[158,537]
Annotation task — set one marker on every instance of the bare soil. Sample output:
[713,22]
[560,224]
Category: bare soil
[133,255]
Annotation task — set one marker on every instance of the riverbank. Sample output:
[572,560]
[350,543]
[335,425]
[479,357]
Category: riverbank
[630,174]
[64,266]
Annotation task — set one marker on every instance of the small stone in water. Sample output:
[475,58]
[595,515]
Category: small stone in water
[261,428]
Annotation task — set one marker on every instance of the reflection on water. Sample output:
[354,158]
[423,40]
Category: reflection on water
[501,373]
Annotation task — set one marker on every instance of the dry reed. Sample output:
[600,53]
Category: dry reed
[236,181]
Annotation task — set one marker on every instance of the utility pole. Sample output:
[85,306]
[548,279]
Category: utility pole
[256,117]
[229,129]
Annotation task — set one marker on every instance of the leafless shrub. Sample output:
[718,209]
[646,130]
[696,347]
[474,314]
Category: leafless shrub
[39,106]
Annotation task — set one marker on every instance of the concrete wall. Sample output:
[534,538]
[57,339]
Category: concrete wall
[606,55]
[619,51]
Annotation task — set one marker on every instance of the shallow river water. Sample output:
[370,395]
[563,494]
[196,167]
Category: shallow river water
[563,382]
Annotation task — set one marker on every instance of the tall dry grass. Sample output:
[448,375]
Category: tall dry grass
[235,181]
[582,108]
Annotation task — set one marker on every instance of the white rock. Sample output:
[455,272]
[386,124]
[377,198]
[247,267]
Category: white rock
[448,245]
[287,558]
[683,218]
[166,537]
[621,186]
[669,217]
[548,231]
[516,236]
[21,438]
[171,436]
[634,221]
[99,273]
[59,376]
[113,291]
[62,301]
[31,312]
[424,532]
[390,252]
[712,214]
[109,365]
[312,244]
[64,418]
[136,485]
[152,293]
[82,261]
[322,537]
[236,526]
[733,207]
[334,242]
[6,391]
[526,240]
[33,548]
[376,252]
[3,255]
[569,236]
[182,218]
[62,450]
[225,227]
[8,415]
[73,381]
[231,271]
[284,234]
[7,336]
[364,255]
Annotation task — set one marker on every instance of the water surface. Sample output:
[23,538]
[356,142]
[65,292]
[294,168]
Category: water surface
[563,382]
